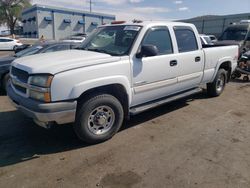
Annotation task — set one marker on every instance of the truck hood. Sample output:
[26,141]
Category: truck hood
[62,61]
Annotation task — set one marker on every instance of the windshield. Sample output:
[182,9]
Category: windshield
[113,40]
[28,51]
[234,34]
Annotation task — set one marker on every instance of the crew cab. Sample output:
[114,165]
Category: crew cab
[121,69]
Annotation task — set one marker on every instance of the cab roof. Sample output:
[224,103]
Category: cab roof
[148,23]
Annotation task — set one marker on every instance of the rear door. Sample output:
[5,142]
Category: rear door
[190,58]
[155,77]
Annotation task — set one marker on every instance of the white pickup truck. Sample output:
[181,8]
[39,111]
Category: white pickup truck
[121,69]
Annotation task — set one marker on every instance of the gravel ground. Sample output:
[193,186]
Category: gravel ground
[198,142]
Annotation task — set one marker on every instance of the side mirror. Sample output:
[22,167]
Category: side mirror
[147,51]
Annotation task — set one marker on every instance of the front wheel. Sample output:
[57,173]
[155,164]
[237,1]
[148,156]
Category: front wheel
[98,118]
[215,88]
[14,48]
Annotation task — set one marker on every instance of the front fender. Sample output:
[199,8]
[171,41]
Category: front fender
[84,86]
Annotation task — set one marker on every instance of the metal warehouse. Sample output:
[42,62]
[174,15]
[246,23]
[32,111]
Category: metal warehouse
[57,23]
[216,24]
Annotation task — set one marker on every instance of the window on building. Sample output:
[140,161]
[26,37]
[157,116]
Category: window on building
[186,39]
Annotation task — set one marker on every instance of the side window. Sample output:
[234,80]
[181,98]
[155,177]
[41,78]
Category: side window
[186,39]
[160,38]
[6,40]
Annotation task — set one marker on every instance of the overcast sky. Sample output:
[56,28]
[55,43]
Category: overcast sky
[156,9]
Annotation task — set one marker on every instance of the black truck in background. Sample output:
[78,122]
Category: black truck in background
[237,34]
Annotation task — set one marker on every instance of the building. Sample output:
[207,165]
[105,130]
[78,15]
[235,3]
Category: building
[57,23]
[215,25]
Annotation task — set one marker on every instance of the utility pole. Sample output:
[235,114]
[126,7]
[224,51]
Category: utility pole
[90,5]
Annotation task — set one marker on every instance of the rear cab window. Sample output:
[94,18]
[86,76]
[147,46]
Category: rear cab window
[186,39]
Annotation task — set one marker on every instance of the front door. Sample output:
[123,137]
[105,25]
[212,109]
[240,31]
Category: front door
[155,77]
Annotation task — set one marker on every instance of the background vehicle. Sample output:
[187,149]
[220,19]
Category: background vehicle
[36,49]
[22,47]
[243,67]
[205,40]
[77,38]
[123,69]
[213,38]
[237,34]
[9,43]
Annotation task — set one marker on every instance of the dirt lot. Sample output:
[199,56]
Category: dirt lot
[197,142]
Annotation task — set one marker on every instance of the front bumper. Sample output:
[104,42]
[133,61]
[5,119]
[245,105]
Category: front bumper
[44,113]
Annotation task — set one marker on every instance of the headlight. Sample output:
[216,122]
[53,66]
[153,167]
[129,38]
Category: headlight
[40,87]
[41,80]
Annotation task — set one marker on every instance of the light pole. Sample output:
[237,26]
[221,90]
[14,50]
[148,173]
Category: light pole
[90,5]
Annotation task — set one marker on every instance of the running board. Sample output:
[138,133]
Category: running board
[147,106]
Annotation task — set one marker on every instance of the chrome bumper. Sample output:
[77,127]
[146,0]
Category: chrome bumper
[44,113]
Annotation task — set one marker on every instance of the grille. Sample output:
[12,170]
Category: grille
[20,89]
[20,74]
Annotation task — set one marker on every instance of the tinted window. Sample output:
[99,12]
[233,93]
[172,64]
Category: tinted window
[186,40]
[160,38]
[6,40]
[237,34]
[29,51]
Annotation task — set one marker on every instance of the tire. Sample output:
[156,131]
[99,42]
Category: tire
[5,82]
[14,48]
[215,88]
[246,78]
[238,74]
[98,118]
[233,76]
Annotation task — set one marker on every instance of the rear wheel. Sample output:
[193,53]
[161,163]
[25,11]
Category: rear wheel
[215,88]
[98,118]
[246,78]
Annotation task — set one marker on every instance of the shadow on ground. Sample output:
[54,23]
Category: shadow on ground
[22,140]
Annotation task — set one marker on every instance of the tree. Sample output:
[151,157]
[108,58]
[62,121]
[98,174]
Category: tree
[10,12]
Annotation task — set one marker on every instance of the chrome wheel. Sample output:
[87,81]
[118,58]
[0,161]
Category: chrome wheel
[220,83]
[101,120]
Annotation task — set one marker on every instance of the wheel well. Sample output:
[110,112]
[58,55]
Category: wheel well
[116,90]
[2,78]
[227,66]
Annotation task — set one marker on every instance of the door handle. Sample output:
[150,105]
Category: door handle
[198,59]
[173,63]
